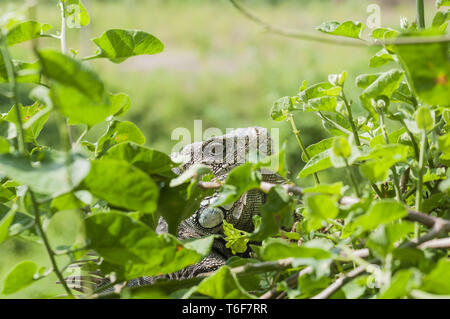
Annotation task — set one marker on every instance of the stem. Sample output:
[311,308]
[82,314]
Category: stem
[419,189]
[420,14]
[396,181]
[336,125]
[350,119]
[352,177]
[63,28]
[300,143]
[14,90]
[413,140]
[50,252]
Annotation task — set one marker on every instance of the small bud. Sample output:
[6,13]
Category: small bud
[341,147]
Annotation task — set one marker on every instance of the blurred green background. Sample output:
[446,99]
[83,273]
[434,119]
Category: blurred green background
[218,66]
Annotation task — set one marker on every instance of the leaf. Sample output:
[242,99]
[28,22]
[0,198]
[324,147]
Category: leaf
[123,185]
[349,29]
[438,280]
[139,251]
[25,31]
[178,203]
[81,109]
[330,189]
[317,148]
[427,68]
[382,240]
[317,163]
[240,180]
[5,222]
[442,3]
[72,73]
[381,212]
[401,284]
[325,104]
[195,171]
[28,112]
[118,45]
[281,108]
[381,159]
[55,174]
[26,72]
[119,132]
[76,14]
[146,159]
[385,85]
[319,208]
[381,58]
[20,277]
[383,33]
[444,143]
[341,147]
[235,239]
[223,285]
[278,210]
[424,118]
[66,230]
[393,137]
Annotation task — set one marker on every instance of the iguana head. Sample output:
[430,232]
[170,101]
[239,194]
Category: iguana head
[222,154]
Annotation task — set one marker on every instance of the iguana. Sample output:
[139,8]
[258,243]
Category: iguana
[221,154]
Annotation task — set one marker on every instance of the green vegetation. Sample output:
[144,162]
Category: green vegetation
[77,177]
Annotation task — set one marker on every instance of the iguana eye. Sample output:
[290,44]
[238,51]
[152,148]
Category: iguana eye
[210,217]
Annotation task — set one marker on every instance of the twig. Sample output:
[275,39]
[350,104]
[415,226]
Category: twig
[436,243]
[331,289]
[329,40]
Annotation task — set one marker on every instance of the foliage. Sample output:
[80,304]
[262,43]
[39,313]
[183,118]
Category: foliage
[106,197]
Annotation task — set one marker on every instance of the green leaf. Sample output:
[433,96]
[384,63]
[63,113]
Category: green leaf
[438,280]
[240,180]
[317,163]
[341,147]
[119,45]
[317,148]
[444,143]
[72,73]
[26,72]
[381,58]
[325,103]
[146,159]
[55,174]
[381,159]
[20,277]
[5,222]
[382,240]
[278,210]
[5,194]
[384,33]
[76,14]
[28,112]
[139,251]
[223,285]
[66,230]
[66,202]
[440,19]
[81,109]
[178,203]
[26,31]
[349,29]
[427,68]
[195,171]
[381,212]
[424,118]
[442,3]
[385,85]
[119,132]
[393,137]
[401,284]
[319,208]
[123,185]
[235,239]
[330,189]
[281,108]
[275,249]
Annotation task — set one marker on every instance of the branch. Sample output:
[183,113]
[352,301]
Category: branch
[327,292]
[436,243]
[329,40]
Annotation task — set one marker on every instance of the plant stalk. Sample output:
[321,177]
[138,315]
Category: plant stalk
[420,14]
[352,177]
[50,252]
[350,119]
[396,180]
[300,143]
[419,189]
[14,91]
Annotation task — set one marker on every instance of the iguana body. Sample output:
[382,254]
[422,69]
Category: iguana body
[221,154]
